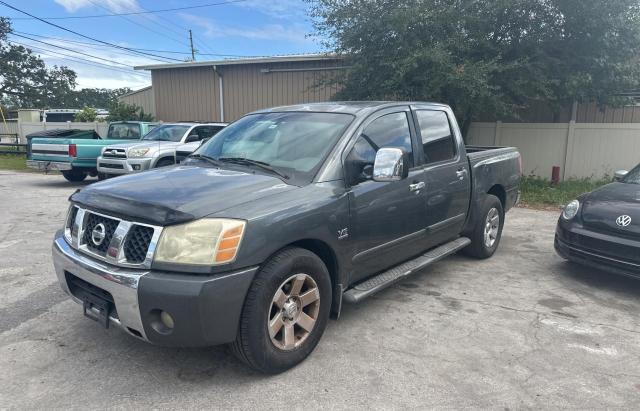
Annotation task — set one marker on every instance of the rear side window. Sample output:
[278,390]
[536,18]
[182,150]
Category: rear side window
[207,131]
[124,131]
[390,130]
[437,139]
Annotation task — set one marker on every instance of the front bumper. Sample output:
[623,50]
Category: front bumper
[121,166]
[206,309]
[603,251]
[48,165]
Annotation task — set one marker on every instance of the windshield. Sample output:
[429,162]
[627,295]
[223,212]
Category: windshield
[167,132]
[633,177]
[293,143]
[124,131]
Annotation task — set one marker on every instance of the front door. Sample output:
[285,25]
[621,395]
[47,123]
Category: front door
[387,218]
[448,186]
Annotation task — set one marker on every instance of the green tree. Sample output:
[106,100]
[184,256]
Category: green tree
[127,112]
[94,97]
[87,114]
[482,56]
[25,81]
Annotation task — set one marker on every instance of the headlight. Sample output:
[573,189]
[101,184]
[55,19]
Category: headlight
[570,210]
[209,241]
[137,152]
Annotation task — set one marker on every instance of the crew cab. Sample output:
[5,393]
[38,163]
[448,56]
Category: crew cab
[156,149]
[76,157]
[267,228]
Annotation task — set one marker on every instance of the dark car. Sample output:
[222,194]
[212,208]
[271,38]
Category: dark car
[262,234]
[602,228]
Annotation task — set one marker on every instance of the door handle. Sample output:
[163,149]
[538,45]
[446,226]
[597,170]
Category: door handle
[416,186]
[461,173]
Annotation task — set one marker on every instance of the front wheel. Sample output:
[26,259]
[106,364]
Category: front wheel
[487,232]
[285,312]
[74,175]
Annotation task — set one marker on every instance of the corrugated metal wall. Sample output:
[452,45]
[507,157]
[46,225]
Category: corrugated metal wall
[192,93]
[143,98]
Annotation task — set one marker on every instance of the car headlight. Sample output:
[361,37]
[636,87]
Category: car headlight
[209,241]
[570,210]
[138,152]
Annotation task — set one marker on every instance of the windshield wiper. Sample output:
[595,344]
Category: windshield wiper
[205,158]
[250,162]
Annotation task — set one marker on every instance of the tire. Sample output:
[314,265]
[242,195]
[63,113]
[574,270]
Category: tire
[480,246]
[102,176]
[289,269]
[74,175]
[164,163]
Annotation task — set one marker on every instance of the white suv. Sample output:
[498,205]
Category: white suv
[156,149]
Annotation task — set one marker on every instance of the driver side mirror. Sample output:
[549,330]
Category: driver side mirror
[191,138]
[619,175]
[390,165]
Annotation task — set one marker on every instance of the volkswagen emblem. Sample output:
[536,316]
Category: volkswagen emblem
[623,220]
[98,234]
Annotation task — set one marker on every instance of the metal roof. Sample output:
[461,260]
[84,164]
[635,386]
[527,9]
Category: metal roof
[252,60]
[135,91]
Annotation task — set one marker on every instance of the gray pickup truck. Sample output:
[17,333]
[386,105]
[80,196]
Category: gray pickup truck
[258,237]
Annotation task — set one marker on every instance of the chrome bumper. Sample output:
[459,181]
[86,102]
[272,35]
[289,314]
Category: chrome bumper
[123,165]
[48,165]
[122,284]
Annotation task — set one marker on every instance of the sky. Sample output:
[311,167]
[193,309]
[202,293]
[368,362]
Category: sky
[236,28]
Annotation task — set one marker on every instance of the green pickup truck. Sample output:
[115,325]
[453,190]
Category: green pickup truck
[75,154]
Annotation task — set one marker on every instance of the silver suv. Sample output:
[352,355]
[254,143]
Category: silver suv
[156,149]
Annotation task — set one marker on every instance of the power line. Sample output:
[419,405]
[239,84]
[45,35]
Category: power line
[85,36]
[135,48]
[132,13]
[96,45]
[72,50]
[140,25]
[79,59]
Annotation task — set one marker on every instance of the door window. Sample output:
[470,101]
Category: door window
[437,139]
[204,132]
[390,130]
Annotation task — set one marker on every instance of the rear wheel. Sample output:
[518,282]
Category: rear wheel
[285,312]
[486,235]
[74,175]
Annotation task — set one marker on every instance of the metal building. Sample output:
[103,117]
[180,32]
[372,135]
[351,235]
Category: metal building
[142,98]
[227,89]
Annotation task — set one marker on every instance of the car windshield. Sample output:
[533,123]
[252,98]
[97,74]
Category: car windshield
[124,131]
[633,177]
[167,132]
[292,144]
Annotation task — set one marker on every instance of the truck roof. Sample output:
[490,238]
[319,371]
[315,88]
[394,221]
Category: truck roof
[348,107]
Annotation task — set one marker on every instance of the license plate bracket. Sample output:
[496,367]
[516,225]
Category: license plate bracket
[102,306]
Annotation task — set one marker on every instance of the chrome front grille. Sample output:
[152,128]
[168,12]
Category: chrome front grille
[114,153]
[111,239]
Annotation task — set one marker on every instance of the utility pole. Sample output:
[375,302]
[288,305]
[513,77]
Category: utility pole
[193,51]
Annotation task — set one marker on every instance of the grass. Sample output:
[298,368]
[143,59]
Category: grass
[13,162]
[540,193]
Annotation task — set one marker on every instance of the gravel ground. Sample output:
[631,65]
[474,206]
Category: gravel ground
[523,329]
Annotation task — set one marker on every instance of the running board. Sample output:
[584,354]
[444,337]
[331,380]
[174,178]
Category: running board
[383,280]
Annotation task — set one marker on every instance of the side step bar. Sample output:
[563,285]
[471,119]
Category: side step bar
[383,280]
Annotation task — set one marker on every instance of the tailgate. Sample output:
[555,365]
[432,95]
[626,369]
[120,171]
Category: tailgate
[49,149]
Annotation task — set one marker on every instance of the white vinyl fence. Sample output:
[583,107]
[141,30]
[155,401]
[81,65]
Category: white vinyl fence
[23,128]
[581,150]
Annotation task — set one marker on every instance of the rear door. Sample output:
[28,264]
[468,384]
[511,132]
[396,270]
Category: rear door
[447,174]
[387,218]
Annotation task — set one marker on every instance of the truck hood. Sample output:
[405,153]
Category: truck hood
[172,195]
[147,144]
[602,207]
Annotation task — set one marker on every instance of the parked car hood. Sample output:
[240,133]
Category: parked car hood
[602,207]
[177,194]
